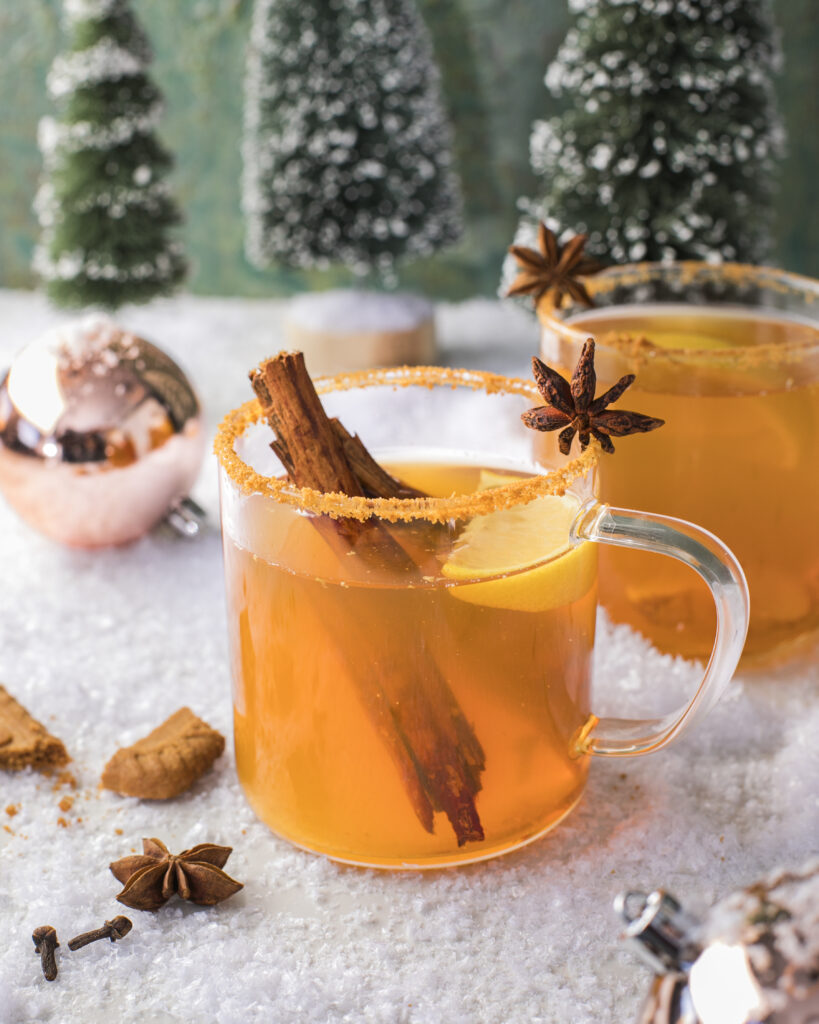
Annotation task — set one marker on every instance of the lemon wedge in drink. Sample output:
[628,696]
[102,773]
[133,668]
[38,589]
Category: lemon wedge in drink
[502,544]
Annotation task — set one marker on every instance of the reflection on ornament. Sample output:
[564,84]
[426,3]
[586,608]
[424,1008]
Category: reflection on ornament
[715,1000]
[100,434]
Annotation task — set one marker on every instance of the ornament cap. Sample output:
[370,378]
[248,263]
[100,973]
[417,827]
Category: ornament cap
[659,928]
[187,518]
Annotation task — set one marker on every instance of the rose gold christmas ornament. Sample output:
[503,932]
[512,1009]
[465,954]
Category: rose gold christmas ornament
[100,436]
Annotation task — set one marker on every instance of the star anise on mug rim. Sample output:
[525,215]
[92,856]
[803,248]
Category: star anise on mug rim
[151,878]
[555,268]
[572,408]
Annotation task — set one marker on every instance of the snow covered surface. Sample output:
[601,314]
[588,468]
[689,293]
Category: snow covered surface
[353,310]
[104,645]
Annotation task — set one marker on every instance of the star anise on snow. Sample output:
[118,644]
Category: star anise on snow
[572,408]
[556,268]
[151,878]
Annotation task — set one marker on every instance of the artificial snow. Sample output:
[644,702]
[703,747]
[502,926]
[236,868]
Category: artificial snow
[81,339]
[78,10]
[103,645]
[348,310]
[104,61]
[54,135]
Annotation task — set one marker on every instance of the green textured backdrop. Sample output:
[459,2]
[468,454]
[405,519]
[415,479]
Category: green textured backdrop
[493,55]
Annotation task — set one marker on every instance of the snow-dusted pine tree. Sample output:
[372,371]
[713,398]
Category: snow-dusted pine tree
[668,143]
[104,208]
[347,148]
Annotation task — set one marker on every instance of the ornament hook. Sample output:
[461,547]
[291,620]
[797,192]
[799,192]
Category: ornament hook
[659,928]
[186,518]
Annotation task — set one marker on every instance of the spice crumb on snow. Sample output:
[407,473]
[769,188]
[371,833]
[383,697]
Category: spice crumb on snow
[351,310]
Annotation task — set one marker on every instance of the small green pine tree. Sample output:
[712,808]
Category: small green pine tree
[346,150]
[104,209]
[668,146]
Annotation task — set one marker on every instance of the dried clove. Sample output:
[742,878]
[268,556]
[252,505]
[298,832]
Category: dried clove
[45,942]
[113,930]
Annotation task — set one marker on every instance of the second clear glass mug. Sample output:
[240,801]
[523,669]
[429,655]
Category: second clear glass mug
[728,356]
[435,710]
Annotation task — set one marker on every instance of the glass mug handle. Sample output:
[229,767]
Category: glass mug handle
[717,565]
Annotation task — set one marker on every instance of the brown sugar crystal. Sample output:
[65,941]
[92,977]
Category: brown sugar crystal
[24,742]
[167,761]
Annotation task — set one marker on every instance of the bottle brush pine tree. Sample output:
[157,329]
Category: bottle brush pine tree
[347,148]
[105,210]
[668,144]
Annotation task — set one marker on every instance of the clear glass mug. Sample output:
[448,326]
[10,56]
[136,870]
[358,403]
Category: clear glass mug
[728,356]
[433,710]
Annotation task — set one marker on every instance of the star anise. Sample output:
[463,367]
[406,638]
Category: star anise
[151,878]
[556,268]
[573,407]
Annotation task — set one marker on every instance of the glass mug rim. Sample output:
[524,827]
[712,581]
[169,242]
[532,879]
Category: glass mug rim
[457,507]
[687,273]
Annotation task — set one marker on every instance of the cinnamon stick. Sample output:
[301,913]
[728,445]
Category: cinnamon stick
[375,480]
[434,747]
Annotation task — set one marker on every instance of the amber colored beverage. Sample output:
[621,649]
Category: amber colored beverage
[739,454]
[305,629]
[411,673]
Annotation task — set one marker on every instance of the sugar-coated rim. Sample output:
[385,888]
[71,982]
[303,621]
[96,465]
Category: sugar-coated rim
[336,505]
[688,272]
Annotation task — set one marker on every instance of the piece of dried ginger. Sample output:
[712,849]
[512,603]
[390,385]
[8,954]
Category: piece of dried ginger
[24,742]
[167,761]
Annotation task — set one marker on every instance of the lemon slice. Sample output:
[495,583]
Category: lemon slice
[502,544]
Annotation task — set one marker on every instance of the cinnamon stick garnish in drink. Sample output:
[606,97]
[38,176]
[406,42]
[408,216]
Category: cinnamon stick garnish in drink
[374,479]
[417,715]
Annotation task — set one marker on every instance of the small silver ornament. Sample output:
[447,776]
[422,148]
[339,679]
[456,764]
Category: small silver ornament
[753,960]
[101,436]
